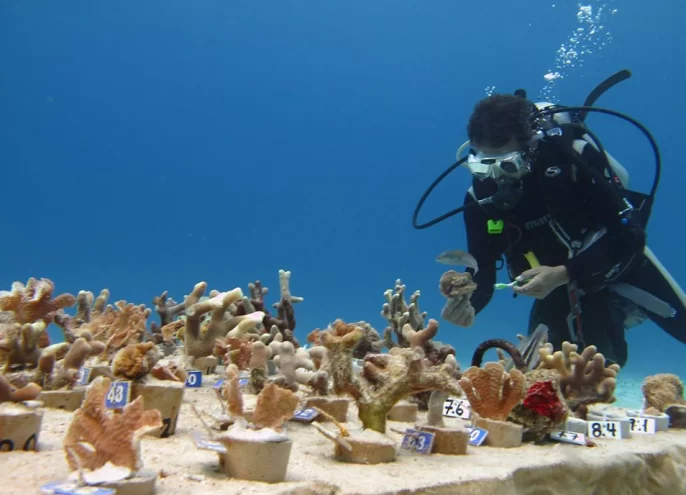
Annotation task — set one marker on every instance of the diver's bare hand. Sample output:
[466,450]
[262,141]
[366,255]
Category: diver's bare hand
[459,311]
[540,281]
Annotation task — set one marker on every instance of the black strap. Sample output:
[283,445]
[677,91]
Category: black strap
[600,89]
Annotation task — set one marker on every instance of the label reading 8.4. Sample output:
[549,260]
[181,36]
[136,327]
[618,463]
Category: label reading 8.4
[456,408]
[118,395]
[604,429]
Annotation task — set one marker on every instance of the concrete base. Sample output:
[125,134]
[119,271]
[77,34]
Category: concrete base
[19,427]
[166,397]
[69,400]
[368,447]
[448,441]
[501,433]
[335,406]
[142,483]
[404,412]
[255,460]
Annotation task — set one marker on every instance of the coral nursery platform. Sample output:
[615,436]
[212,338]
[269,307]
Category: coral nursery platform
[642,464]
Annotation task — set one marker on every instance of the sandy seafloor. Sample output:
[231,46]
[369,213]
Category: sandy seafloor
[187,470]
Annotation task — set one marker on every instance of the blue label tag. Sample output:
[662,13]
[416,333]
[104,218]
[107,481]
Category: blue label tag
[84,376]
[118,395]
[305,415]
[417,441]
[71,488]
[205,444]
[194,379]
[243,382]
[477,436]
[218,384]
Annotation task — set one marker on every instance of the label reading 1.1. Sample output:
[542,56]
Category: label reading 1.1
[569,437]
[118,395]
[643,425]
[194,379]
[457,408]
[604,429]
[417,441]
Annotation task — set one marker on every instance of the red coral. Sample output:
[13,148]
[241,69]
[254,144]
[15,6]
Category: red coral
[542,399]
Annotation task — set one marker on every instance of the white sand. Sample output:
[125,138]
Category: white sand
[312,470]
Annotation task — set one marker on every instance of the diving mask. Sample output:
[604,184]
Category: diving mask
[511,165]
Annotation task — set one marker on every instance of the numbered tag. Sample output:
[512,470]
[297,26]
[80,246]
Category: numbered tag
[205,444]
[569,437]
[71,488]
[118,395]
[218,384]
[84,376]
[194,379]
[477,436]
[643,425]
[305,415]
[417,441]
[457,408]
[604,429]
[243,382]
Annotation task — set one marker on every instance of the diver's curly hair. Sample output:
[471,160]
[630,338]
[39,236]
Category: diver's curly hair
[498,118]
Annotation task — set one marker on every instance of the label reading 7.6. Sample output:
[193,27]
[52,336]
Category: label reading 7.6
[457,408]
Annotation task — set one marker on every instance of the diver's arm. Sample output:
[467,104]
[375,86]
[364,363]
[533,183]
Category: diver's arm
[612,251]
[480,245]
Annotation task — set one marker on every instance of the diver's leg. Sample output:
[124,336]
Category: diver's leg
[603,326]
[552,312]
[650,277]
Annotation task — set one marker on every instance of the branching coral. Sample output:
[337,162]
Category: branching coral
[97,436]
[584,379]
[8,393]
[34,301]
[88,309]
[20,344]
[492,392]
[385,379]
[404,319]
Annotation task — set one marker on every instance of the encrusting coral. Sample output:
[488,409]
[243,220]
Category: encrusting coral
[492,392]
[385,378]
[97,436]
[663,390]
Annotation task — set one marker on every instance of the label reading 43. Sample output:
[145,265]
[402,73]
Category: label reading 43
[604,429]
[194,379]
[118,395]
[642,425]
[417,441]
[457,408]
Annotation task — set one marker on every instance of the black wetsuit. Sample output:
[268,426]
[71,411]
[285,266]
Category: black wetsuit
[567,199]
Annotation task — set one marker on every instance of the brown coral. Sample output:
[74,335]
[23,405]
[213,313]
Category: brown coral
[385,379]
[8,393]
[663,390]
[584,379]
[34,301]
[135,361]
[97,436]
[492,392]
[20,344]
[274,406]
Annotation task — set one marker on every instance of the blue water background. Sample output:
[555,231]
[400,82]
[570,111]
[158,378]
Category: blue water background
[146,146]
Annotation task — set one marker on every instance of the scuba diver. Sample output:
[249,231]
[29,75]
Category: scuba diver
[550,200]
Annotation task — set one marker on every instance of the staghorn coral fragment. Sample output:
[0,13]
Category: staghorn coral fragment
[274,406]
[584,378]
[8,393]
[97,436]
[492,392]
[34,301]
[88,307]
[385,379]
[20,344]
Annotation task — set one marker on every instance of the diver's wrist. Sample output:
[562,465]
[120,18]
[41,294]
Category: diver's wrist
[562,275]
